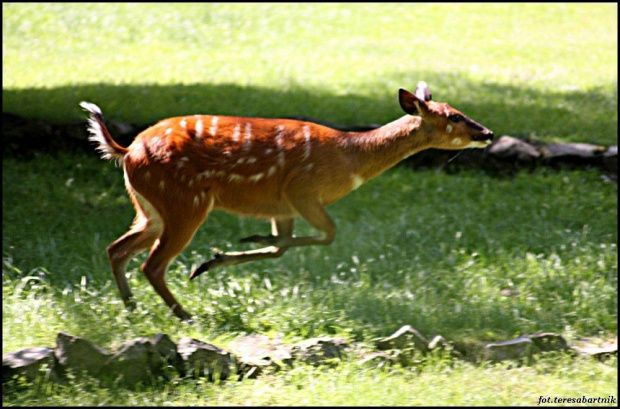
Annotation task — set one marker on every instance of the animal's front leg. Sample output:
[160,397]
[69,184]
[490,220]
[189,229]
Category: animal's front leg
[280,229]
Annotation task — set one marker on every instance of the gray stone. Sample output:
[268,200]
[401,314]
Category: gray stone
[548,341]
[377,359]
[508,147]
[204,359]
[320,351]
[596,348]
[575,150]
[514,349]
[167,349]
[29,363]
[136,361]
[256,353]
[79,355]
[406,337]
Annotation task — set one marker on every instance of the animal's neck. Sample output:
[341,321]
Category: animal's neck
[375,151]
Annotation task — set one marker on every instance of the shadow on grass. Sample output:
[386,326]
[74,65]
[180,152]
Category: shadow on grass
[517,110]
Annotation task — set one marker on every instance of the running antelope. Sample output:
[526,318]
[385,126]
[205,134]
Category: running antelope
[182,168]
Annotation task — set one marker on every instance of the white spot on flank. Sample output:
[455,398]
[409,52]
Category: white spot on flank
[147,175]
[183,123]
[199,128]
[271,171]
[162,184]
[196,201]
[268,151]
[308,167]
[168,131]
[456,141]
[251,159]
[306,130]
[235,178]
[256,178]
[247,137]
[213,128]
[236,132]
[357,180]
[449,128]
[280,145]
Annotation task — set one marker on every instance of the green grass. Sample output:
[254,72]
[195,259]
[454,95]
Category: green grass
[469,256]
[545,71]
[422,248]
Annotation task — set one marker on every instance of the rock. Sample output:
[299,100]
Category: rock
[572,152]
[507,147]
[406,337]
[514,349]
[28,363]
[548,341]
[78,354]
[136,361]
[168,351]
[202,359]
[610,160]
[596,348]
[377,359]
[256,353]
[437,342]
[320,351]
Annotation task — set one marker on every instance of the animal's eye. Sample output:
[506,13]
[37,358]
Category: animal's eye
[454,117]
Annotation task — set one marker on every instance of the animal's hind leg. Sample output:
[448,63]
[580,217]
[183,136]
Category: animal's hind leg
[179,228]
[145,230]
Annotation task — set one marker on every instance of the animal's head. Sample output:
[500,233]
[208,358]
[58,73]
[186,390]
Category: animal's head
[446,127]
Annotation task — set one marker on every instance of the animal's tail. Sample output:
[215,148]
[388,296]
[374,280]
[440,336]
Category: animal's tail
[99,133]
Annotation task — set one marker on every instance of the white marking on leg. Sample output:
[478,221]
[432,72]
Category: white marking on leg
[236,132]
[247,137]
[199,128]
[356,181]
[307,137]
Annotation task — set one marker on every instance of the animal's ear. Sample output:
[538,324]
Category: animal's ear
[411,104]
[423,92]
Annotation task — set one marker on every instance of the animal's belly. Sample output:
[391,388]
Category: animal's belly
[253,202]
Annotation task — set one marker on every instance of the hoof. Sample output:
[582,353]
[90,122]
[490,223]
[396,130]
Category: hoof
[204,267]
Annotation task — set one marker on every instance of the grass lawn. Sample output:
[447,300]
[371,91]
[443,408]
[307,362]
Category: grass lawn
[431,250]
[470,256]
